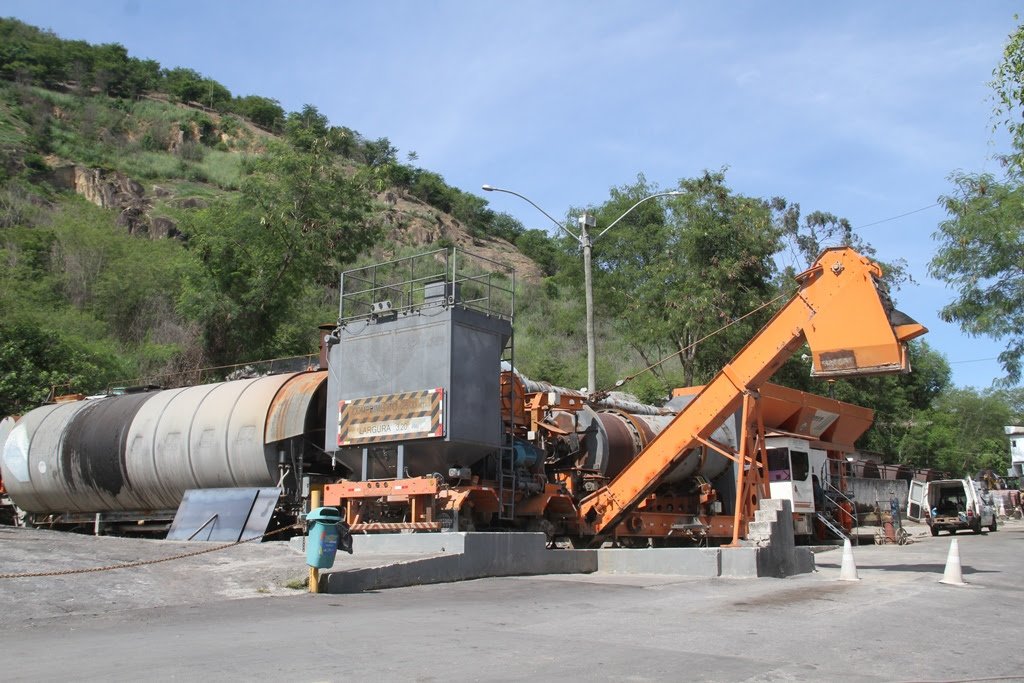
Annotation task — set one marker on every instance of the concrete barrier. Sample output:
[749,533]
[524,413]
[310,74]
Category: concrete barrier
[465,556]
[692,562]
[396,560]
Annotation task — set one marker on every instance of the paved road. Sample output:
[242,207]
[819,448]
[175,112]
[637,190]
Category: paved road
[897,624]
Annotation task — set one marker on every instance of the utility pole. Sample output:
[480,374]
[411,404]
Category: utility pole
[586,242]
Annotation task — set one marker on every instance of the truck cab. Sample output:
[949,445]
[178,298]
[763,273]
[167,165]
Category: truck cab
[793,466]
[951,505]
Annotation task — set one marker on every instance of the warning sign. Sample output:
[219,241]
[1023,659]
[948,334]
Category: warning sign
[396,417]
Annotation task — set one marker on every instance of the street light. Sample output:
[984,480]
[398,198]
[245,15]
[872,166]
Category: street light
[586,221]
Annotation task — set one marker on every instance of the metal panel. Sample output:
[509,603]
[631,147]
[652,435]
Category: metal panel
[290,410]
[145,444]
[223,514]
[398,417]
[252,463]
[451,348]
[17,474]
[92,453]
[44,461]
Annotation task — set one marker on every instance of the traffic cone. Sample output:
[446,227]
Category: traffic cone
[953,574]
[848,571]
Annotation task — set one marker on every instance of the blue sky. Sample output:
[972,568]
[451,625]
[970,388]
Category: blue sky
[862,109]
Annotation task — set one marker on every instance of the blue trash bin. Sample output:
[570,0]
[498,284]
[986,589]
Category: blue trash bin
[322,541]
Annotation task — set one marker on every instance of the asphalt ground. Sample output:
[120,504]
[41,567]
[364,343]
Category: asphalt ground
[183,619]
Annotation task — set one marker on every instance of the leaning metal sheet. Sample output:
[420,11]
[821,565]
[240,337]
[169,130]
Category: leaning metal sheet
[229,514]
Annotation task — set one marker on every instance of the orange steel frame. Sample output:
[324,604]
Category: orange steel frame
[838,310]
[420,493]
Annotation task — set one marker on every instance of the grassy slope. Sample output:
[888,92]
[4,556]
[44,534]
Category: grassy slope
[114,296]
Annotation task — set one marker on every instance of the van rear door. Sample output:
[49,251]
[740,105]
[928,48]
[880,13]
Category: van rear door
[917,502]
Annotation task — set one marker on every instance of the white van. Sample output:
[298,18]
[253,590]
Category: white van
[951,505]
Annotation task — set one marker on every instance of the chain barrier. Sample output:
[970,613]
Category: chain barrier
[143,563]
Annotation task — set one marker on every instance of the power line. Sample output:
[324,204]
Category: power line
[976,360]
[892,218]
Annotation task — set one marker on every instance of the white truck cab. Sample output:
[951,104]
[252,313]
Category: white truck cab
[792,467]
[951,505]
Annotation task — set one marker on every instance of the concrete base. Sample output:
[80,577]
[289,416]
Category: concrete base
[692,562]
[464,556]
[396,560]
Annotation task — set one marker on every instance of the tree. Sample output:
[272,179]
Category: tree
[981,255]
[34,361]
[185,84]
[262,111]
[963,432]
[111,69]
[298,220]
[982,242]
[671,273]
[898,400]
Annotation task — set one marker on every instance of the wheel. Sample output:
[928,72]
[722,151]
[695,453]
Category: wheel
[952,532]
[935,531]
[977,527]
[994,525]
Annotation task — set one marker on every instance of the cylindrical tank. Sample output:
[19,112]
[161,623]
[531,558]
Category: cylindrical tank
[611,438]
[143,451]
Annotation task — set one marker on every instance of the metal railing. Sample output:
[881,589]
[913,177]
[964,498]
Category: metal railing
[834,498]
[444,277]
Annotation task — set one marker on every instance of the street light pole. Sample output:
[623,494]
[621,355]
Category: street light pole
[586,242]
[588,221]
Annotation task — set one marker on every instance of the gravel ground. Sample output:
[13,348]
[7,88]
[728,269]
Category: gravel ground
[243,571]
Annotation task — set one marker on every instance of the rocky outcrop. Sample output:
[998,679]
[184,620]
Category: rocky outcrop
[115,190]
[410,221]
[163,227]
[106,189]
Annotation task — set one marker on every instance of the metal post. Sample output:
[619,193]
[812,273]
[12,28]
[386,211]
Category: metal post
[366,463]
[588,286]
[400,467]
[314,573]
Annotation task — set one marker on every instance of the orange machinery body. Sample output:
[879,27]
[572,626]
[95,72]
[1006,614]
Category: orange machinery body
[839,310]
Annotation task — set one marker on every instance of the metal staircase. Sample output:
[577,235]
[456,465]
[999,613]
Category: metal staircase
[834,498]
[834,528]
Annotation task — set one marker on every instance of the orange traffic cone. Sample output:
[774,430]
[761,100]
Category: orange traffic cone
[953,575]
[848,571]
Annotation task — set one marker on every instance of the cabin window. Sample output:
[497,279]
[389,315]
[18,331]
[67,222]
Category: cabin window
[801,465]
[778,464]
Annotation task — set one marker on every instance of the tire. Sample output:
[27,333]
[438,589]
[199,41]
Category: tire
[952,532]
[935,532]
[994,525]
[977,527]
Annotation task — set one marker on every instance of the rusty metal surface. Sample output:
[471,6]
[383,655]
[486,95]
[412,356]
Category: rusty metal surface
[290,410]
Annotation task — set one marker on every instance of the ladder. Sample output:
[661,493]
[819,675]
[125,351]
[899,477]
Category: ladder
[507,481]
[506,455]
